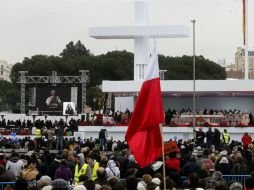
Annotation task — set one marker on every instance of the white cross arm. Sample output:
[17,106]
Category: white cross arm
[131,32]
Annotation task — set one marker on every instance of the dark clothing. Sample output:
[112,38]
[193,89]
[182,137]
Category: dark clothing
[190,167]
[101,181]
[72,166]
[123,161]
[217,139]
[63,172]
[209,139]
[200,136]
[224,168]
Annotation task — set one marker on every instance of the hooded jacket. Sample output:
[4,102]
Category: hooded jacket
[112,169]
[15,165]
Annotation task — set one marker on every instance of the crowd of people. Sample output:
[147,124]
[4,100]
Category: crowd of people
[107,164]
[220,118]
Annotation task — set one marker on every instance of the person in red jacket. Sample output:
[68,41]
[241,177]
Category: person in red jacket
[173,163]
[246,140]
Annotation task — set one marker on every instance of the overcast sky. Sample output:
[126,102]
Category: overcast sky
[29,27]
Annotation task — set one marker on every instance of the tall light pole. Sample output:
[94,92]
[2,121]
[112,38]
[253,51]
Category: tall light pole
[194,77]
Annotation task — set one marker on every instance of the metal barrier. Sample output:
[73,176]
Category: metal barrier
[3,184]
[228,178]
[235,178]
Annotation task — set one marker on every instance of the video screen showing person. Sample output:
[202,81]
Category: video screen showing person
[69,108]
[52,98]
[53,101]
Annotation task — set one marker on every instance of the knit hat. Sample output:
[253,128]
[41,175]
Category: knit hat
[79,187]
[48,187]
[224,160]
[141,185]
[60,184]
[224,153]
[156,180]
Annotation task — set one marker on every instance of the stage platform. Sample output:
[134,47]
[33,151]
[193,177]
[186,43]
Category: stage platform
[185,133]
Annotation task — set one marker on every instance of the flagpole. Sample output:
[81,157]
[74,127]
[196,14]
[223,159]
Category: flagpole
[163,157]
[246,42]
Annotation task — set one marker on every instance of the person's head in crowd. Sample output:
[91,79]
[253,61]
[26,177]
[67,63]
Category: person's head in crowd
[60,184]
[210,184]
[217,175]
[147,178]
[79,187]
[101,172]
[157,181]
[159,176]
[131,183]
[21,184]
[221,186]
[118,186]
[152,186]
[97,187]
[113,180]
[89,184]
[90,159]
[105,187]
[44,181]
[193,180]
[235,186]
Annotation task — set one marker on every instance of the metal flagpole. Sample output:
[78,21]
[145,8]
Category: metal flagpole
[194,77]
[246,42]
[163,157]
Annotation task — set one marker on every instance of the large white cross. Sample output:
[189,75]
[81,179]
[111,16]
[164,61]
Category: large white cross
[140,32]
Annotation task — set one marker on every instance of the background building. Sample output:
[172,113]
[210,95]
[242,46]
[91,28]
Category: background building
[5,70]
[240,60]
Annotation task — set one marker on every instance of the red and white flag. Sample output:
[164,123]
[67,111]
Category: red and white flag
[143,135]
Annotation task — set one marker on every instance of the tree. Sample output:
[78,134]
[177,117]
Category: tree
[114,65]
[9,96]
[74,50]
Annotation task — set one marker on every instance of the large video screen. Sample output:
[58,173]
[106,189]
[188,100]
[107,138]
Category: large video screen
[52,98]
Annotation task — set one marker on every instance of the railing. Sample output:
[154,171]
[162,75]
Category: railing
[235,178]
[228,178]
[4,184]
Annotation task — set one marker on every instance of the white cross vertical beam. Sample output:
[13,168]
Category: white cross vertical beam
[141,44]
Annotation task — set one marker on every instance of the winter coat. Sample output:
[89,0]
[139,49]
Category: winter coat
[63,172]
[112,169]
[15,165]
[29,173]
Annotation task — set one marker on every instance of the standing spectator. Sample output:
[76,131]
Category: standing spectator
[59,137]
[200,136]
[102,139]
[173,163]
[80,169]
[50,137]
[112,169]
[224,166]
[225,138]
[209,138]
[93,166]
[29,173]
[63,172]
[15,164]
[216,139]
[246,140]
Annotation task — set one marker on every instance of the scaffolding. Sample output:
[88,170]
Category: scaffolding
[54,80]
